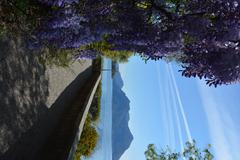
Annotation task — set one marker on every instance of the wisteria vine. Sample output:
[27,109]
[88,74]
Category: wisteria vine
[206,33]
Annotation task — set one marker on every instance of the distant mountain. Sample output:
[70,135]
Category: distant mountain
[121,134]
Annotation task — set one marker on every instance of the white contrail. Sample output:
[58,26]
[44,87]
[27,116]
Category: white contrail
[180,137]
[167,113]
[169,109]
[162,102]
[181,105]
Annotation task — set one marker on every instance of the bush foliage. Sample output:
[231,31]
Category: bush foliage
[95,108]
[89,137]
[191,152]
[88,140]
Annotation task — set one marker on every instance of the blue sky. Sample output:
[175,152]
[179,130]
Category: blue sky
[170,114]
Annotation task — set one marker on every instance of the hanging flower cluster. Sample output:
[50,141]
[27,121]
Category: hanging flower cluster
[205,33]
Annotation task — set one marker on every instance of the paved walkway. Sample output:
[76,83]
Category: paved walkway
[29,107]
[60,78]
[63,139]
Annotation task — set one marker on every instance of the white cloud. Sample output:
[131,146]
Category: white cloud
[223,134]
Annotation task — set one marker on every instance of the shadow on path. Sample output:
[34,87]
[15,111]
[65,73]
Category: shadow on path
[23,91]
[25,121]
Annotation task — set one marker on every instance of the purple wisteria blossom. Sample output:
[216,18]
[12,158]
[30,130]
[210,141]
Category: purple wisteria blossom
[205,34]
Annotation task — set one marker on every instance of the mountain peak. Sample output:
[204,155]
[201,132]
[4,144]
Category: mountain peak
[121,134]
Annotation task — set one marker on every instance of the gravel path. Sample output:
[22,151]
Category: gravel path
[29,103]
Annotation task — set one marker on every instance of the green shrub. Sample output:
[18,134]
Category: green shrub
[97,64]
[88,140]
[95,108]
[57,57]
[107,50]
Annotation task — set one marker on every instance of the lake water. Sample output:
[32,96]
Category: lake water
[104,147]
